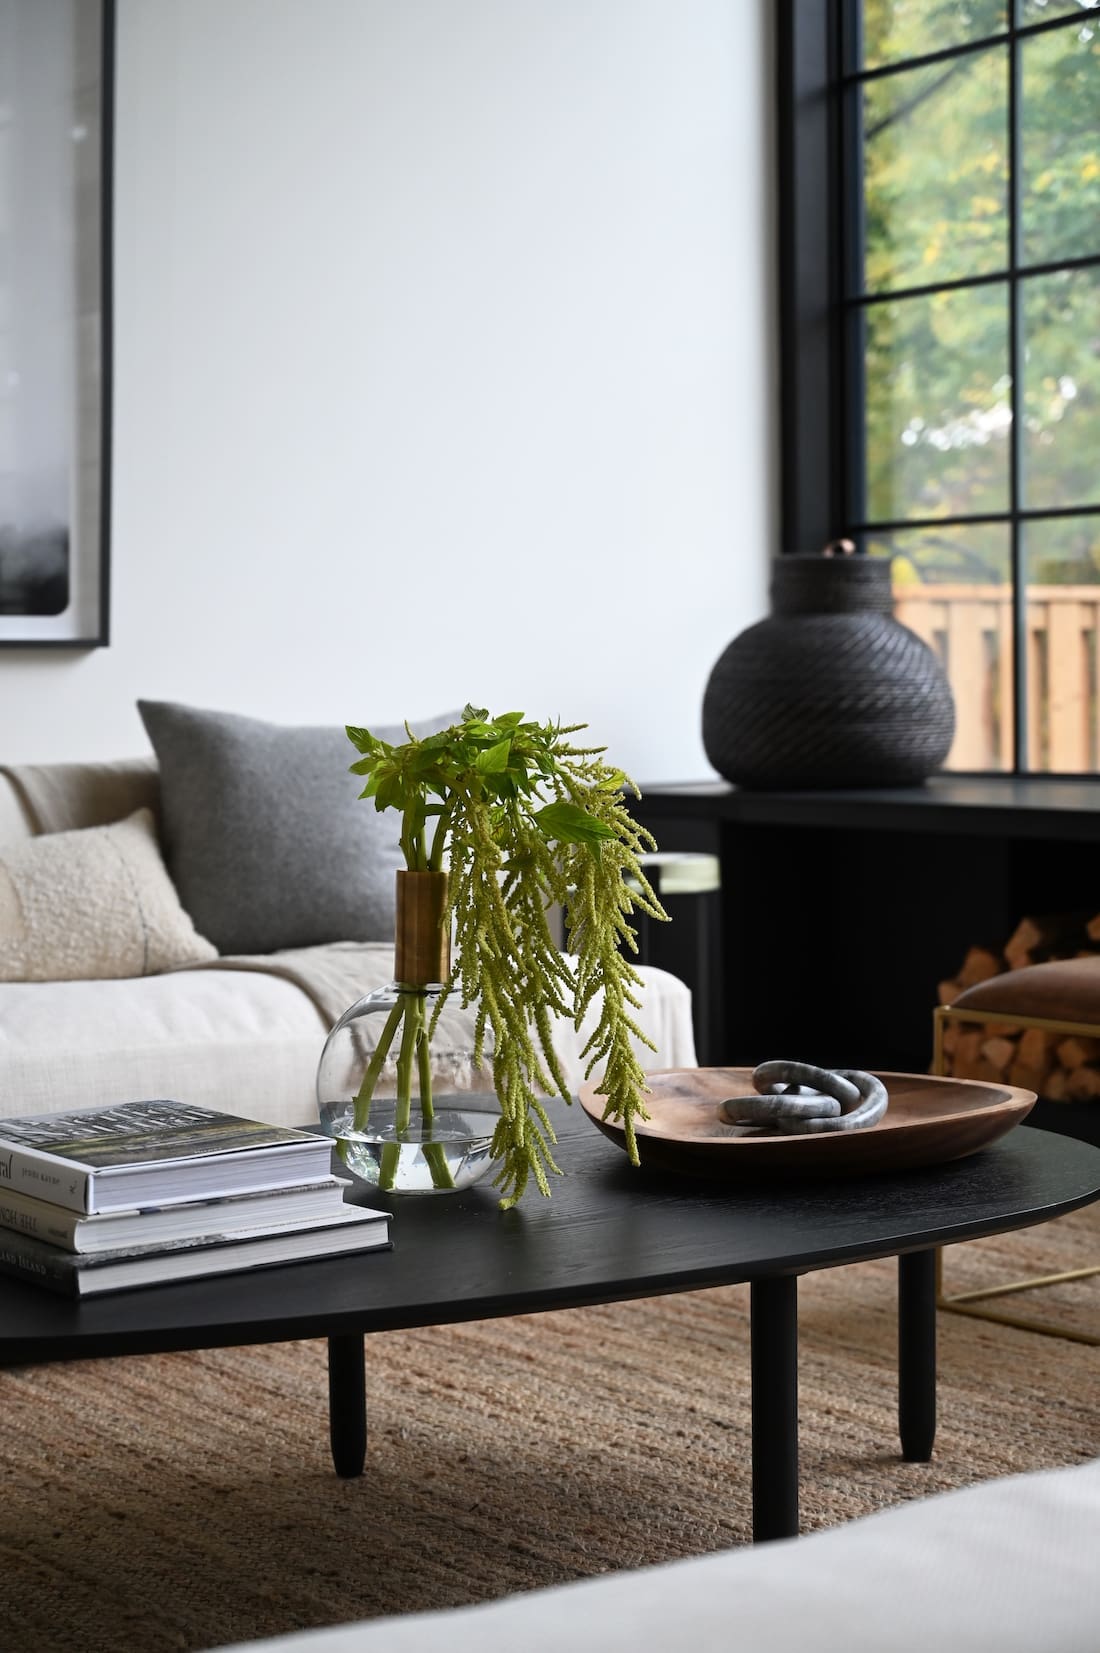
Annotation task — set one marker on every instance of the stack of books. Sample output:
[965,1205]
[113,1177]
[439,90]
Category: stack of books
[101,1199]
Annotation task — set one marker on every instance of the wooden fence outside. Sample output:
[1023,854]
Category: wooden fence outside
[970,628]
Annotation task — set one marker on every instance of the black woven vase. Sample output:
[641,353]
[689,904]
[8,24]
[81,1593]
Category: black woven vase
[830,690]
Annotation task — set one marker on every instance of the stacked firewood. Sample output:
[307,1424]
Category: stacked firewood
[1059,1066]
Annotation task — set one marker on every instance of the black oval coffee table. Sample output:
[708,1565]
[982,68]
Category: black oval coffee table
[609,1233]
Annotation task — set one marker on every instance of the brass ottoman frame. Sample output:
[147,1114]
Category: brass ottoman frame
[975,1303]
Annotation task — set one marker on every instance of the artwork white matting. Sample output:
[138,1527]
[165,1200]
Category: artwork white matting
[56,102]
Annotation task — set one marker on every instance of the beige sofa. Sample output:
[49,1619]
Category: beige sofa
[240,1033]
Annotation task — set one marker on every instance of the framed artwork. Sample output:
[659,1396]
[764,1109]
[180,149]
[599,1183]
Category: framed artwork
[56,108]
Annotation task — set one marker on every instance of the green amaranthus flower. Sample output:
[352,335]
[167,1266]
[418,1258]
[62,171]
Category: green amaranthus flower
[526,821]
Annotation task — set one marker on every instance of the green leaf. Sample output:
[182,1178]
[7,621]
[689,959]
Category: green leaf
[495,758]
[362,738]
[388,793]
[567,824]
[474,714]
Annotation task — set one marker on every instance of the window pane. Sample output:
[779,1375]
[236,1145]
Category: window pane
[935,153]
[1034,11]
[937,404]
[1060,144]
[1061,386]
[894,29]
[953,587]
[1062,559]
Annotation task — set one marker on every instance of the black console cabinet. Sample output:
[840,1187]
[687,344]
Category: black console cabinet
[840,912]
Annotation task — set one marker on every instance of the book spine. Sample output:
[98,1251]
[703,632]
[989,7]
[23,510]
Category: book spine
[56,1274]
[46,1177]
[56,1227]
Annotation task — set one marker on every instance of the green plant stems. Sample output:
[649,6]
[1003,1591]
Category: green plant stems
[439,838]
[414,1052]
[387,1166]
[374,1066]
[424,1068]
[435,1156]
[412,1026]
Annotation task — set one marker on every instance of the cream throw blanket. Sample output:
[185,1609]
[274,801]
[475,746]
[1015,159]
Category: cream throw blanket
[336,975]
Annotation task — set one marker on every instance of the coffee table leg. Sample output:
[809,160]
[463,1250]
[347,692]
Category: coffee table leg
[347,1403]
[917,1355]
[774,1311]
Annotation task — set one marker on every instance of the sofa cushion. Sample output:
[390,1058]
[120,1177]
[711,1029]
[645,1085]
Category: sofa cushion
[59,797]
[241,1034]
[16,821]
[265,834]
[242,1041]
[92,904]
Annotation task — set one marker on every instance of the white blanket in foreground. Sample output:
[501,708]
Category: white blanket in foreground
[1008,1567]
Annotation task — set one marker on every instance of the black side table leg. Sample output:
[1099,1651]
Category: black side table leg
[774,1311]
[917,1355]
[347,1403]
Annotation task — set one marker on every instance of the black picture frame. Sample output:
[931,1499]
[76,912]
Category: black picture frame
[56,189]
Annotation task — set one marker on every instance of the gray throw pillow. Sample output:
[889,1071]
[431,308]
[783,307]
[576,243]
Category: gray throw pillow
[264,832]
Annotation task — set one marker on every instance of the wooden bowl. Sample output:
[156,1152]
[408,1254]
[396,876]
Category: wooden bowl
[928,1121]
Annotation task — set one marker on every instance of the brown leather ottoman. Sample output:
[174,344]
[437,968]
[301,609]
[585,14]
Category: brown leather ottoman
[1038,1027]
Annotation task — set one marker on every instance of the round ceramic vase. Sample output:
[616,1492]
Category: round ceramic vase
[830,690]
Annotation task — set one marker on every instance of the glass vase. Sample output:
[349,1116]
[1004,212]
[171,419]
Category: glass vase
[397,1086]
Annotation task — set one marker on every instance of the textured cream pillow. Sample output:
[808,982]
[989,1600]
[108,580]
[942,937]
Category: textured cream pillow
[93,904]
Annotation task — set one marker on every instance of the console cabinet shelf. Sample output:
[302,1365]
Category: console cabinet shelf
[840,912]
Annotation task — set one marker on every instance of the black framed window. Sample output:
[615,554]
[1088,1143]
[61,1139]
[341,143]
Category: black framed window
[939,182]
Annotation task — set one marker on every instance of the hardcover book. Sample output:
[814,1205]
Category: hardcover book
[47,1265]
[159,1152]
[266,1210]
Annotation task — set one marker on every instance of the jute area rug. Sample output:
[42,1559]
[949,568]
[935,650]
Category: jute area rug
[182,1501]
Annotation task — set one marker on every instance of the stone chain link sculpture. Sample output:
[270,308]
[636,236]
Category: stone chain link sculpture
[796,1097]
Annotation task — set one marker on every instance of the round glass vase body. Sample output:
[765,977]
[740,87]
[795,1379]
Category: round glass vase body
[410,1108]
[397,1144]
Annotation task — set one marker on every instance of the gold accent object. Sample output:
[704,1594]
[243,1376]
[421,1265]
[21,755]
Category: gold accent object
[975,1303]
[422,946]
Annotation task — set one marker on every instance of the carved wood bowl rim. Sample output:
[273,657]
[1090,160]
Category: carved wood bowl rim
[929,1121]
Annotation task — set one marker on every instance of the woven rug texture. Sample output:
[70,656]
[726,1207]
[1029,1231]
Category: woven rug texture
[182,1501]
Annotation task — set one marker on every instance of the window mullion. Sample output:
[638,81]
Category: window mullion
[958,284]
[851,330]
[963,48]
[812,405]
[1020,753]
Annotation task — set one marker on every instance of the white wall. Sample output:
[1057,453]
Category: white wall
[443,368]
